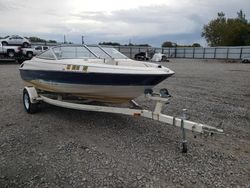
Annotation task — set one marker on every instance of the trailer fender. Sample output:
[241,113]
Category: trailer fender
[32,94]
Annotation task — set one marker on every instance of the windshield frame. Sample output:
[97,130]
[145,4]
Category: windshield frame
[95,56]
[80,46]
[50,49]
[53,52]
[98,46]
[124,56]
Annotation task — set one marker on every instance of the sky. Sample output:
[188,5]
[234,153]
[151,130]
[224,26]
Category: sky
[136,21]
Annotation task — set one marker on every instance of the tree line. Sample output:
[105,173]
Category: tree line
[224,31]
[172,44]
[118,44]
[37,39]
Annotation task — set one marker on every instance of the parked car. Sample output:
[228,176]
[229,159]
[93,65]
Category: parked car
[141,56]
[10,51]
[159,57]
[15,40]
[30,52]
[245,59]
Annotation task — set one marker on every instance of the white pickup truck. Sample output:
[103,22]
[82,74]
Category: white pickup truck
[9,51]
[30,52]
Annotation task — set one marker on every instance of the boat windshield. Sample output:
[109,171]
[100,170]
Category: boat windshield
[72,52]
[114,53]
[99,52]
[80,52]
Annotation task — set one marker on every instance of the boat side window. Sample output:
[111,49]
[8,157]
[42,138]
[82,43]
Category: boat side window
[72,52]
[47,55]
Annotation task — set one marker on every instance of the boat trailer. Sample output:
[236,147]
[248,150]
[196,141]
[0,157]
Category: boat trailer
[32,97]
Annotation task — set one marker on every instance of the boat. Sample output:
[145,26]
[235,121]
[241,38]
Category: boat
[91,72]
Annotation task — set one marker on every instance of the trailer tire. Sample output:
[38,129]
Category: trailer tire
[25,45]
[164,59]
[184,148]
[11,53]
[31,108]
[20,61]
[29,55]
[245,61]
[4,43]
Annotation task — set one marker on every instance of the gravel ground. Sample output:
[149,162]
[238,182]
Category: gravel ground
[67,148]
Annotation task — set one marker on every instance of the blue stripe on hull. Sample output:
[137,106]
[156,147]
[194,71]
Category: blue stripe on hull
[92,78]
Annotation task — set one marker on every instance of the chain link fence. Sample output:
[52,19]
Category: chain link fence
[237,52]
[191,52]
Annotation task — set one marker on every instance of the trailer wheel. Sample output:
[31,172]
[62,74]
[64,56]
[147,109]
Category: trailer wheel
[29,55]
[4,43]
[20,61]
[31,108]
[25,45]
[10,53]
[184,147]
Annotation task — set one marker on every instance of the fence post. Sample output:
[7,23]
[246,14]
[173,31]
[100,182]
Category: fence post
[130,51]
[204,52]
[227,52]
[193,51]
[169,52]
[162,50]
[184,52]
[214,53]
[241,52]
[175,52]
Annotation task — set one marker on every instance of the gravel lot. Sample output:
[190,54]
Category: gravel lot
[67,148]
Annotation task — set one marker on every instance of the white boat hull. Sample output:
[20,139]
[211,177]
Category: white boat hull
[105,93]
[110,80]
